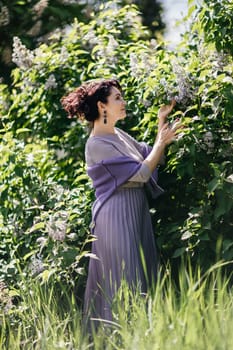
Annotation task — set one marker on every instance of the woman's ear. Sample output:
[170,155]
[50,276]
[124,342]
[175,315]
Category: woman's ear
[101,106]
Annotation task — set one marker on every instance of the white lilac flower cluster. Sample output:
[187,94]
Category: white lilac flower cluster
[50,82]
[64,55]
[145,103]
[141,65]
[114,6]
[4,16]
[91,39]
[134,64]
[40,56]
[107,52]
[153,43]
[56,34]
[71,2]
[129,18]
[36,265]
[42,241]
[110,48]
[80,2]
[61,153]
[219,60]
[5,298]
[4,104]
[57,226]
[184,86]
[39,7]
[208,141]
[109,22]
[28,85]
[21,56]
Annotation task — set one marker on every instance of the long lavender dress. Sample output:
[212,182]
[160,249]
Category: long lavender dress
[123,231]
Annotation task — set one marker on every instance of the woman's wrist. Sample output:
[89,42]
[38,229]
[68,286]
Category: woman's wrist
[161,122]
[152,160]
[159,144]
[161,119]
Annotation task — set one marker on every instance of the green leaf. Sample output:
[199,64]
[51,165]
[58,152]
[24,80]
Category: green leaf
[38,226]
[22,130]
[213,184]
[178,252]
[13,293]
[28,255]
[46,274]
[186,235]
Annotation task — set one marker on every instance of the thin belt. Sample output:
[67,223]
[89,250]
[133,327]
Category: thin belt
[132,184]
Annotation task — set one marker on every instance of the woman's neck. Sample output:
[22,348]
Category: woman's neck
[103,129]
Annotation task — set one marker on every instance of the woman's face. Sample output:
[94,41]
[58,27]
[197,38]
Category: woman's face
[115,107]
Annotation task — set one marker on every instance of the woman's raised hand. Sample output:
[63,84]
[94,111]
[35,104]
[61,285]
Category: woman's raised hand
[168,133]
[165,110]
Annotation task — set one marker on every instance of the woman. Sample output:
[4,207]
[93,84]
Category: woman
[119,167]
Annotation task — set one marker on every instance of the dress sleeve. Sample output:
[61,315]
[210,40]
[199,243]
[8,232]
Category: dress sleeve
[142,175]
[141,146]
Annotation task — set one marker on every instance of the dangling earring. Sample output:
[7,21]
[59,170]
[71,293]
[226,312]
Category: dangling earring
[105,117]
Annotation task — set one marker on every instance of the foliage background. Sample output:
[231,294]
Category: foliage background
[45,194]
[33,21]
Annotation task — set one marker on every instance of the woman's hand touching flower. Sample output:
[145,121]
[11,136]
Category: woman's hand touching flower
[165,110]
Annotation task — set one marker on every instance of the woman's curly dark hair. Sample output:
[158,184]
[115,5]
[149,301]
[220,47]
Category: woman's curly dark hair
[82,102]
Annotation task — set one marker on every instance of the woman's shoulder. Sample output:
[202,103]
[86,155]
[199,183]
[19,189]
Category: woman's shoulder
[97,143]
[99,148]
[122,132]
[94,148]
[125,135]
[100,139]
[93,142]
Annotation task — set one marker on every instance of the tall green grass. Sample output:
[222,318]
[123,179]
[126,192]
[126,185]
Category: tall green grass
[196,312]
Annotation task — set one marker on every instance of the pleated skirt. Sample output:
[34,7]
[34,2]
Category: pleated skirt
[124,249]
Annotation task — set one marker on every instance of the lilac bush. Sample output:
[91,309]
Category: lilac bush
[194,216]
